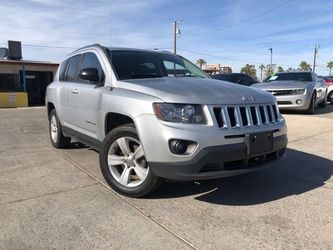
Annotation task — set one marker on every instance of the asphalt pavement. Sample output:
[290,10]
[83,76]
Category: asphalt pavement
[58,199]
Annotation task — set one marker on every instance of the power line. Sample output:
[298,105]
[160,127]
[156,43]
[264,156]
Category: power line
[44,46]
[221,57]
[250,18]
[62,31]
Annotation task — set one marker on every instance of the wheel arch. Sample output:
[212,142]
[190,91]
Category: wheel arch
[50,106]
[114,120]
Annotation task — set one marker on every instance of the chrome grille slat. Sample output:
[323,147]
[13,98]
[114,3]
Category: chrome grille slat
[245,116]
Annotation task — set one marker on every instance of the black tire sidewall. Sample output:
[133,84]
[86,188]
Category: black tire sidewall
[54,113]
[61,140]
[312,105]
[330,97]
[143,189]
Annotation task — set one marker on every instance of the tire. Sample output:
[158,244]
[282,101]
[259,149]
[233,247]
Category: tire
[123,163]
[57,138]
[311,108]
[330,97]
[323,103]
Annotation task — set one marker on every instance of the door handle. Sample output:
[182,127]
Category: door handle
[75,91]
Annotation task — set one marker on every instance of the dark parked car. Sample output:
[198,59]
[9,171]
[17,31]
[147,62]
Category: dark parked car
[238,78]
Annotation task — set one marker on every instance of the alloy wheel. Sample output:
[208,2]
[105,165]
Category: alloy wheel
[54,129]
[127,163]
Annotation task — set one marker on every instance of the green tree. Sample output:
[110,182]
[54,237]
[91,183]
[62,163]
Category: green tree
[261,67]
[269,71]
[201,62]
[330,66]
[290,69]
[250,70]
[280,69]
[304,66]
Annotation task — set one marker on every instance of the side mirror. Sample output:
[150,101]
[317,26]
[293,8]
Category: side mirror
[89,74]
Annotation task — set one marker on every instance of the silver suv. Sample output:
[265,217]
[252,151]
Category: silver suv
[154,115]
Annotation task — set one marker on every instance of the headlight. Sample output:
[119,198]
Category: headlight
[297,91]
[184,113]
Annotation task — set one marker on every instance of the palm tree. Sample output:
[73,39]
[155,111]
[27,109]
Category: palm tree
[304,66]
[261,67]
[330,66]
[280,69]
[201,62]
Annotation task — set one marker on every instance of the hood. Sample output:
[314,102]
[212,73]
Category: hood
[195,90]
[281,85]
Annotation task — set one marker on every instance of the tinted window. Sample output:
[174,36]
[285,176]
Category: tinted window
[221,77]
[235,78]
[90,60]
[9,82]
[303,76]
[247,80]
[62,70]
[72,69]
[144,64]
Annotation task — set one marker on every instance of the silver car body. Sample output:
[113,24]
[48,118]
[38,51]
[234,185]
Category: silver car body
[83,109]
[283,91]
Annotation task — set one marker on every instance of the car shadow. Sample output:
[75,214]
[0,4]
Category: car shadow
[76,145]
[300,172]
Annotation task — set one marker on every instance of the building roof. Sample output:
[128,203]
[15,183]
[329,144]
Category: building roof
[27,62]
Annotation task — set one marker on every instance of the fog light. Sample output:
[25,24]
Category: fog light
[299,101]
[178,146]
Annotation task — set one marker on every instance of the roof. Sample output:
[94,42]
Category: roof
[117,49]
[27,62]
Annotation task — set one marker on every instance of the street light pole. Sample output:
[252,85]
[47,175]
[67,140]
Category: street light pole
[176,31]
[271,50]
[315,57]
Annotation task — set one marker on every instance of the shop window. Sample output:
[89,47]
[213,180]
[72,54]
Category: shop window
[9,83]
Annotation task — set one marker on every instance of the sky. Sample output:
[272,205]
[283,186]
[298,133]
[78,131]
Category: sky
[230,32]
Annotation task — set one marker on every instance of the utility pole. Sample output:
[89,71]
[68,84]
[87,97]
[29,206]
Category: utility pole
[315,57]
[176,31]
[271,50]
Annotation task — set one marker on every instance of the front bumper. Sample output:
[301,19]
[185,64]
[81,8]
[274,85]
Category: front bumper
[289,102]
[221,161]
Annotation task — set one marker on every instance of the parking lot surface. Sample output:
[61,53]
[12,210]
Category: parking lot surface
[52,198]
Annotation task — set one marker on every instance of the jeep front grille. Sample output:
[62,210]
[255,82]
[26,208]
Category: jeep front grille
[237,116]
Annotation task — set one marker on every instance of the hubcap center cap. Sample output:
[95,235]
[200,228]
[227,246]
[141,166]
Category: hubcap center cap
[130,160]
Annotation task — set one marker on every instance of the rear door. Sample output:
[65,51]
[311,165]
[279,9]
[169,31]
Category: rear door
[64,88]
[86,96]
[67,80]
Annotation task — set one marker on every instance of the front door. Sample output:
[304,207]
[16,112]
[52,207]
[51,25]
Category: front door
[86,97]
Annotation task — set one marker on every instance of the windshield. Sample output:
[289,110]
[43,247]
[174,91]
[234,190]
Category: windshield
[304,77]
[145,64]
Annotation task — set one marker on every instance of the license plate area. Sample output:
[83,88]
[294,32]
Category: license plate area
[258,143]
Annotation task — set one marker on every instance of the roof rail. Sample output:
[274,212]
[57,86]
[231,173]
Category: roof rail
[89,46]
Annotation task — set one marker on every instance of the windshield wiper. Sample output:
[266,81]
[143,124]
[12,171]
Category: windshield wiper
[145,76]
[195,76]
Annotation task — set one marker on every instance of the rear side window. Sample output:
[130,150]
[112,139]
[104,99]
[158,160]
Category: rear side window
[62,70]
[71,74]
[90,60]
